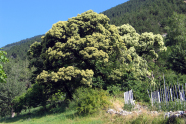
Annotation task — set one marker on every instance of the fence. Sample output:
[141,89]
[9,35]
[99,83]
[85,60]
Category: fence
[174,93]
[168,93]
[128,97]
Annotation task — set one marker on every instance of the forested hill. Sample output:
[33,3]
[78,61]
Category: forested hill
[20,48]
[145,15]
[8,46]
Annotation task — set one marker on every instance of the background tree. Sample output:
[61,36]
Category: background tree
[3,59]
[16,83]
[176,41]
[144,51]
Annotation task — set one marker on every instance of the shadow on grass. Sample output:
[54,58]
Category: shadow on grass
[74,114]
[37,113]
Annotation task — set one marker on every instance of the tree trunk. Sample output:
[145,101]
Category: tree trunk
[12,113]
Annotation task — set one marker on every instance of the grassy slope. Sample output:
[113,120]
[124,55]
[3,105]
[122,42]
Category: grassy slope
[38,116]
[65,115]
[70,117]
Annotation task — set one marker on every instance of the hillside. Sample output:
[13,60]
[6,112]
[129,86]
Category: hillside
[20,48]
[145,15]
[8,46]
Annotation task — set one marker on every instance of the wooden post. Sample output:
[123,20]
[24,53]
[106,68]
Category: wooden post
[151,95]
[168,93]
[164,89]
[163,94]
[185,88]
[159,97]
[176,91]
[183,95]
[172,91]
[171,94]
[151,98]
[124,96]
[174,95]
[179,91]
[148,93]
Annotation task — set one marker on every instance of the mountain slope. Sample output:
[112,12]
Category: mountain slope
[8,46]
[145,15]
[20,48]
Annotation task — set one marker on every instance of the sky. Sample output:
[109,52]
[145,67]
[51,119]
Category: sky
[21,19]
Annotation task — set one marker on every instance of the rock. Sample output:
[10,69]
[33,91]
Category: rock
[154,112]
[125,113]
[111,111]
[174,114]
[137,110]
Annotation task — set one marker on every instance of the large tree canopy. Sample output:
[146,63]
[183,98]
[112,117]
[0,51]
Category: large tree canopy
[86,50]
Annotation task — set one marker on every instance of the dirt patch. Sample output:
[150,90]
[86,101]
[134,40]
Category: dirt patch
[118,105]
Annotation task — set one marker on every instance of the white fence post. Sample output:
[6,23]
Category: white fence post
[128,97]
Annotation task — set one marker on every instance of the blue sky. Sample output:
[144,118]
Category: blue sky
[21,19]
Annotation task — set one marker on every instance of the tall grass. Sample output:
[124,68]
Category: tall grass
[169,106]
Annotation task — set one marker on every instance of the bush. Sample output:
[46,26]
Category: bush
[32,98]
[128,107]
[88,100]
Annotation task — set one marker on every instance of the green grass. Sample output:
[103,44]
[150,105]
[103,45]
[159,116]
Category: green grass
[60,115]
[68,115]
[66,118]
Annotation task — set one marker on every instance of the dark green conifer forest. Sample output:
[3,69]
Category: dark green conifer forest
[145,15]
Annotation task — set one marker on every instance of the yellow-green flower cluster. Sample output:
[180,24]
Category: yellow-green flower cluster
[82,34]
[116,74]
[58,30]
[146,42]
[66,74]
[151,43]
[43,76]
[56,52]
[93,53]
[87,76]
[33,51]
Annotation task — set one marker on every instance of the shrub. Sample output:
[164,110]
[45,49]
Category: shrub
[128,107]
[88,100]
[34,97]
[19,103]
